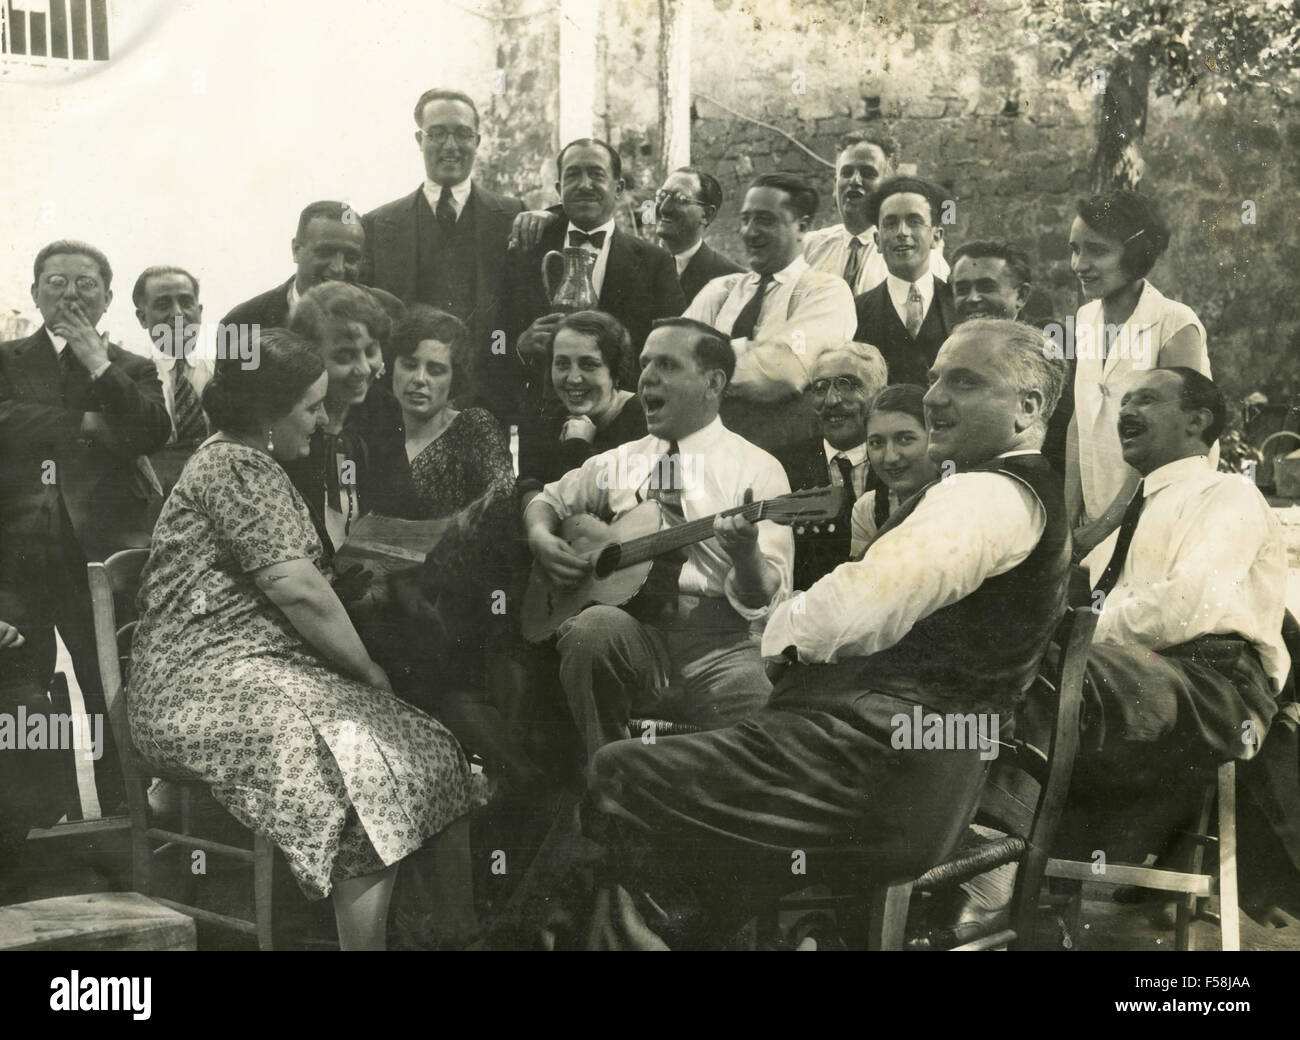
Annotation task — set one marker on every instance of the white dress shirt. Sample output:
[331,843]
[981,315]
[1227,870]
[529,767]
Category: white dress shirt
[827,249]
[803,312]
[857,457]
[1207,558]
[899,290]
[683,258]
[967,528]
[293,295]
[717,467]
[199,367]
[1099,385]
[602,254]
[459,195]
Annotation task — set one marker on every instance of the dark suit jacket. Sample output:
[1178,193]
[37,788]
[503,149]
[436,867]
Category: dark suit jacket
[640,285]
[391,253]
[270,310]
[706,265]
[100,491]
[879,324]
[817,550]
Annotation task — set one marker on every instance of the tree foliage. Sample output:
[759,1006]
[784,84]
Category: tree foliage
[1190,48]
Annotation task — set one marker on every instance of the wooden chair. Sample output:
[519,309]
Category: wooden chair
[1029,823]
[119,576]
[1194,885]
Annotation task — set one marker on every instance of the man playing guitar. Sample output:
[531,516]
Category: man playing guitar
[683,650]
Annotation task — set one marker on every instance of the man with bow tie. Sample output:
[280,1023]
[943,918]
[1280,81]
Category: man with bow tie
[635,281]
[76,415]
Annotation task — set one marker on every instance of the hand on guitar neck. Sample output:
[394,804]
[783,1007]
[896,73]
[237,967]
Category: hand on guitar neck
[584,560]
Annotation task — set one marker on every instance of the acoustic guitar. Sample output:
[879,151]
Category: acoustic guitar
[622,552]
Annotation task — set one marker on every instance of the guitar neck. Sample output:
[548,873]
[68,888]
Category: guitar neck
[638,550]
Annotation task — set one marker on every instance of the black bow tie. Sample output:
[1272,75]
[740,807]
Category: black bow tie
[577,238]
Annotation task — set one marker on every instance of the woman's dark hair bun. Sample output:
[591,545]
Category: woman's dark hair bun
[245,396]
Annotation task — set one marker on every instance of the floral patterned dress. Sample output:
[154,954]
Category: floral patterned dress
[344,778]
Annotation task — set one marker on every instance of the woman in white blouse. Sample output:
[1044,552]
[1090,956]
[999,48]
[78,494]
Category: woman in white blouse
[1126,327]
[896,449]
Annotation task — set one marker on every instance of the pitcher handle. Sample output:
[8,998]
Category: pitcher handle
[546,278]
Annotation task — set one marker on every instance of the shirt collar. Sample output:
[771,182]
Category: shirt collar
[1147,311]
[58,341]
[607,227]
[898,290]
[856,455]
[684,257]
[294,296]
[459,194]
[866,237]
[1173,472]
[787,274]
[699,442]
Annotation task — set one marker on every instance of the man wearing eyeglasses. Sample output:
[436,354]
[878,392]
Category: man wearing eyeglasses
[684,208]
[444,244]
[910,314]
[845,379]
[76,415]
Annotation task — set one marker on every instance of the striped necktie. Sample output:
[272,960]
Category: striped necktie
[187,416]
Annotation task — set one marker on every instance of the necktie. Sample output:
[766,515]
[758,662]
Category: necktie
[187,415]
[446,212]
[76,382]
[1126,528]
[578,238]
[660,591]
[913,311]
[854,266]
[665,483]
[846,474]
[748,317]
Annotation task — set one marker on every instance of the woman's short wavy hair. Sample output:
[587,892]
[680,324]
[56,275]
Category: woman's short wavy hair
[612,340]
[424,322]
[1133,221]
[247,400]
[332,302]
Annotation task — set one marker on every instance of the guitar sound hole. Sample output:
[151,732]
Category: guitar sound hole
[607,561]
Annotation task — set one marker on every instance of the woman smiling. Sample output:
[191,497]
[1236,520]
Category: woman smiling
[897,446]
[590,360]
[1126,327]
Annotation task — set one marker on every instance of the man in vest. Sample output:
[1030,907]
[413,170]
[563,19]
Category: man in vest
[948,614]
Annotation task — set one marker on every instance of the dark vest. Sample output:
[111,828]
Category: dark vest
[445,263]
[983,650]
[909,361]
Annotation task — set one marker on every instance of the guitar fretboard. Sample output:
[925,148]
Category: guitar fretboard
[647,547]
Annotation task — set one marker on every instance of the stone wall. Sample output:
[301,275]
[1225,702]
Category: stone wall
[969,98]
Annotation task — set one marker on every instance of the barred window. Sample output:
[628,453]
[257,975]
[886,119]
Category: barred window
[53,33]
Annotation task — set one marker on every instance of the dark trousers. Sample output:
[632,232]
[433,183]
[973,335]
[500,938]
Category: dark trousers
[701,667]
[37,786]
[1154,727]
[684,837]
[68,599]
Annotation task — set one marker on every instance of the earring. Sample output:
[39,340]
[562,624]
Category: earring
[270,441]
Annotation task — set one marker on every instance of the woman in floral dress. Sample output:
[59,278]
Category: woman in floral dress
[247,674]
